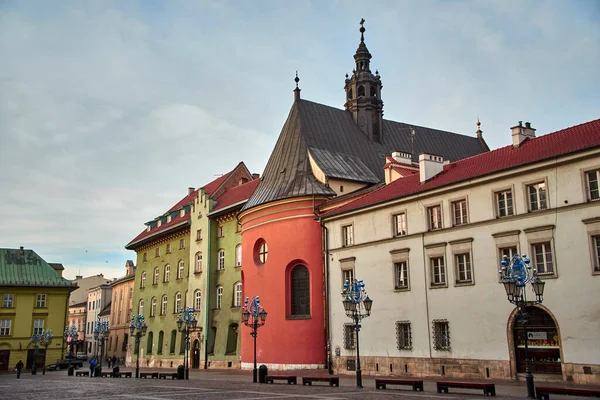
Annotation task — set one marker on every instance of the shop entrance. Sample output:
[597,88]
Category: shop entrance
[196,354]
[543,340]
[4,357]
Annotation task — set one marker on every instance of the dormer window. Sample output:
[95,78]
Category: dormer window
[148,228]
[182,212]
[361,91]
[168,219]
[159,222]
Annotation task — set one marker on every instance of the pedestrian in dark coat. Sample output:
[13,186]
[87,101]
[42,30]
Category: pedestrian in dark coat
[18,368]
[92,366]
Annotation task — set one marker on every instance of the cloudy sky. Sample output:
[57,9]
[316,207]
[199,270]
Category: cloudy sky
[110,110]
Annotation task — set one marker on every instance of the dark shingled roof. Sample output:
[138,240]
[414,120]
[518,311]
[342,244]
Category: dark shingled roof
[23,267]
[331,131]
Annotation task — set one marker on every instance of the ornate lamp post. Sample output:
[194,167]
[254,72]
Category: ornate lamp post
[101,335]
[185,320]
[254,316]
[71,333]
[357,305]
[137,327]
[43,338]
[516,273]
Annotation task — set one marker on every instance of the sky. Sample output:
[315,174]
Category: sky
[110,110]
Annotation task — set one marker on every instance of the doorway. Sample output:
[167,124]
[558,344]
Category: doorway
[4,360]
[196,354]
[40,361]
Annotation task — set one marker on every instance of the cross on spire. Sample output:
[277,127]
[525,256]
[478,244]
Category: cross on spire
[362,30]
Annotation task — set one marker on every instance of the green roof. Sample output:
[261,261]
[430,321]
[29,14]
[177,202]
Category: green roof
[22,267]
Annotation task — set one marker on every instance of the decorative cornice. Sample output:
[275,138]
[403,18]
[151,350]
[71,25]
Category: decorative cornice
[347,259]
[432,245]
[398,251]
[538,228]
[591,220]
[460,241]
[506,233]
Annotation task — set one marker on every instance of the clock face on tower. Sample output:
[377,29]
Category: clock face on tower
[362,121]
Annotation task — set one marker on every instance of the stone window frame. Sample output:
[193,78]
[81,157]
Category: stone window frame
[168,248]
[459,247]
[181,244]
[5,330]
[177,298]
[41,300]
[533,182]
[8,300]
[221,260]
[428,208]
[400,256]
[37,329]
[348,240]
[156,276]
[452,202]
[198,235]
[542,234]
[504,240]
[436,250]
[403,335]
[180,269]
[496,204]
[437,327]
[238,255]
[394,223]
[153,306]
[349,336]
[143,280]
[219,301]
[585,182]
[198,300]
[592,226]
[347,264]
[167,273]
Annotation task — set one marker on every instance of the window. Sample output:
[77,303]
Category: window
[181,269]
[197,300]
[199,234]
[592,185]
[400,224]
[40,301]
[434,216]
[141,307]
[38,326]
[163,308]
[143,280]
[347,235]
[347,275]
[157,252]
[438,271]
[403,335]
[168,218]
[441,335]
[504,203]
[89,305]
[181,244]
[401,275]
[537,196]
[177,302]
[463,268]
[361,91]
[508,252]
[159,346]
[198,266]
[219,296]
[5,327]
[459,211]
[596,249]
[238,255]
[182,212]
[168,248]
[8,301]
[300,291]
[149,343]
[261,252]
[153,307]
[349,342]
[232,339]
[220,231]
[167,273]
[182,343]
[156,274]
[145,257]
[221,263]
[542,258]
[173,343]
[237,300]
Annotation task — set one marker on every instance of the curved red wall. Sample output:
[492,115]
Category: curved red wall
[293,236]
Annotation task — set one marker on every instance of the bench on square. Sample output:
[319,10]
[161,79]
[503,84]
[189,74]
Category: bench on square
[106,374]
[416,385]
[149,374]
[489,389]
[291,379]
[333,380]
[122,374]
[164,375]
[82,373]
[544,392]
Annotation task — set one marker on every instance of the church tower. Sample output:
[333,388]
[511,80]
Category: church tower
[363,92]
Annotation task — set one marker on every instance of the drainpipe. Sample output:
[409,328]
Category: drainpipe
[326,275]
[207,296]
[62,357]
[426,292]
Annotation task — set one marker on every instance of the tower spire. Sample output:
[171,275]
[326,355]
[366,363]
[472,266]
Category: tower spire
[479,131]
[297,90]
[362,30]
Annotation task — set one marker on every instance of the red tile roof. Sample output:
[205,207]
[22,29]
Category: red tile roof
[176,220]
[570,140]
[236,194]
[214,185]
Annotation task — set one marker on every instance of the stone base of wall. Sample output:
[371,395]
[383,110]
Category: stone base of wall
[282,367]
[581,373]
[221,364]
[151,362]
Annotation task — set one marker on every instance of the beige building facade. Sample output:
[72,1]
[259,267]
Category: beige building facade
[120,315]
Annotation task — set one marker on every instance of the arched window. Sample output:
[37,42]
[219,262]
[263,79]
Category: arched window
[232,339]
[238,255]
[197,300]
[161,337]
[153,307]
[181,269]
[167,272]
[373,91]
[149,344]
[237,294]
[163,308]
[361,91]
[143,281]
[221,264]
[177,302]
[173,343]
[261,252]
[156,274]
[219,296]
[198,267]
[141,307]
[350,94]
[300,291]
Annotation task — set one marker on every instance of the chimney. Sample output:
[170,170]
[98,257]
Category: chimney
[191,190]
[521,133]
[255,176]
[402,157]
[429,166]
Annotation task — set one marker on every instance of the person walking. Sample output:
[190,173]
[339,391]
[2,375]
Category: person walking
[114,361]
[108,360]
[18,368]
[92,366]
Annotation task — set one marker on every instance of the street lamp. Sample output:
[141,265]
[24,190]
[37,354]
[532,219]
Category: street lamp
[252,308]
[71,333]
[101,334]
[188,318]
[516,273]
[137,327]
[357,305]
[44,338]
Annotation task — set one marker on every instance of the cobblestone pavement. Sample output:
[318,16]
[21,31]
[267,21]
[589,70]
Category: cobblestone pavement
[218,386]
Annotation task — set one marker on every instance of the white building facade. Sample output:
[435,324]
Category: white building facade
[428,247]
[97,298]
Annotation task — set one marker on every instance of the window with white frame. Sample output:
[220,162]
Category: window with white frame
[347,235]
[199,234]
[537,196]
[221,260]
[237,300]
[593,189]
[434,217]
[163,308]
[38,326]
[182,212]
[40,301]
[8,300]
[153,307]
[349,342]
[438,271]
[219,296]
[441,335]
[141,307]
[168,248]
[143,280]
[401,275]
[197,300]
[156,275]
[263,252]
[238,255]
[181,269]
[347,275]
[542,258]
[504,203]
[596,252]
[198,266]
[464,273]
[5,327]
[459,212]
[181,244]
[403,335]
[507,251]
[177,302]
[400,225]
[167,273]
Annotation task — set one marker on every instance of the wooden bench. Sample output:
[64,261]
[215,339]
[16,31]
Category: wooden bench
[333,380]
[82,373]
[489,389]
[106,374]
[168,374]
[122,374]
[291,379]
[149,374]
[416,385]
[544,392]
